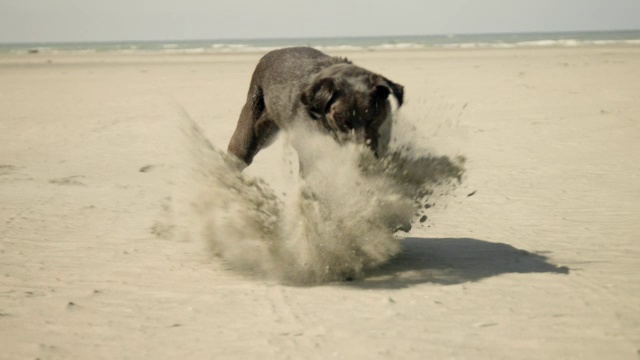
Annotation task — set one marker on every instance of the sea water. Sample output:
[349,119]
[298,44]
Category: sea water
[373,43]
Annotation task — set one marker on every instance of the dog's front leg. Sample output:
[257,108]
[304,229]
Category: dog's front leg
[244,142]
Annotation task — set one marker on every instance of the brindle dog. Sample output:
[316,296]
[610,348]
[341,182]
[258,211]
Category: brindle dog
[297,83]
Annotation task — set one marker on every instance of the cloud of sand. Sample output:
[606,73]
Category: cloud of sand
[336,220]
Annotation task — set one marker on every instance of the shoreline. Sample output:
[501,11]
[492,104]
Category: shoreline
[163,57]
[372,42]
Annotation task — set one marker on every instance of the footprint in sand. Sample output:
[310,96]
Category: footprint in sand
[69,180]
[7,169]
[11,173]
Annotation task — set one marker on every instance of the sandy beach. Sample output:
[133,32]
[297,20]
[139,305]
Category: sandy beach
[535,255]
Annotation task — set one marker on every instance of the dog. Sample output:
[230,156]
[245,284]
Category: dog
[301,83]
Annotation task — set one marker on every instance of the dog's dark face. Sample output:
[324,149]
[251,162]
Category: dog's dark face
[350,102]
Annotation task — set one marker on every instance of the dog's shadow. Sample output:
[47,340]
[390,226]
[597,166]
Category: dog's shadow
[454,261]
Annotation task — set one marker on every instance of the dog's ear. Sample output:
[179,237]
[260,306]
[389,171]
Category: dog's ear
[397,90]
[383,86]
[318,97]
[381,92]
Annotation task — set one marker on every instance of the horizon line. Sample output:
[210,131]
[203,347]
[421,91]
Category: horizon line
[315,37]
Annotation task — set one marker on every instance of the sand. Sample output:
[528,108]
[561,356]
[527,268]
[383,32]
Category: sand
[533,256]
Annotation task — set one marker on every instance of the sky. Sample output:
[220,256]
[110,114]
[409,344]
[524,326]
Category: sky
[120,20]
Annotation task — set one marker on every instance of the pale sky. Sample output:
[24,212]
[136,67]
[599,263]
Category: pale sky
[113,20]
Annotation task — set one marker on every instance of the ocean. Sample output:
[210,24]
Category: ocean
[502,40]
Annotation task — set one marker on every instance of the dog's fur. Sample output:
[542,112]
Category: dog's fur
[303,83]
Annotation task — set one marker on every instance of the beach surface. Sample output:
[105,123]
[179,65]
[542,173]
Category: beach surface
[535,255]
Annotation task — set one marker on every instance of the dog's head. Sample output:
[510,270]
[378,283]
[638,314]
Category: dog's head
[351,102]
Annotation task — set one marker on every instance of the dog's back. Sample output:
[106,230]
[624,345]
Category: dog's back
[304,84]
[281,75]
[289,65]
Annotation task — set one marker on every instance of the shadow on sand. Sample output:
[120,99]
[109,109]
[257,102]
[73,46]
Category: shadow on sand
[454,261]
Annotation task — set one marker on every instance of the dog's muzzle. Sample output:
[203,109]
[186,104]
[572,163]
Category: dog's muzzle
[358,136]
